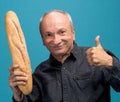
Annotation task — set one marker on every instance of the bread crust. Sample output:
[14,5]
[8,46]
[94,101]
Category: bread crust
[18,49]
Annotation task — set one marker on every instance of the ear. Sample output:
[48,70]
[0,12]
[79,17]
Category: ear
[43,41]
[73,35]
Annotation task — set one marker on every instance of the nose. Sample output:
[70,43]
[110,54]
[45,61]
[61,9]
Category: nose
[57,39]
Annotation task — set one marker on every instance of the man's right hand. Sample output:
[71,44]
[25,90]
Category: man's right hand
[17,78]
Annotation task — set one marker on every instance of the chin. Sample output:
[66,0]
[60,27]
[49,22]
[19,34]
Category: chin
[57,53]
[60,54]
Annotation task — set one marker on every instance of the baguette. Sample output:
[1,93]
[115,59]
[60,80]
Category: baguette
[18,49]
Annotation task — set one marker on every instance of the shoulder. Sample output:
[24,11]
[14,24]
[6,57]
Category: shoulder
[80,49]
[77,47]
[42,66]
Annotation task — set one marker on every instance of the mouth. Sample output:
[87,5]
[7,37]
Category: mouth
[59,45]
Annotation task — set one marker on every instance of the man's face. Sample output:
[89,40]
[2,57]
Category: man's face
[57,33]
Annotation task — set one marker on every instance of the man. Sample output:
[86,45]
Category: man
[71,73]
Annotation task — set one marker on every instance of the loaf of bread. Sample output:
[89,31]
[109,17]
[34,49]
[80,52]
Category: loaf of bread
[18,49]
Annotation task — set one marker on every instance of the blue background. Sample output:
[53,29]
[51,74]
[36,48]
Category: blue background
[90,17]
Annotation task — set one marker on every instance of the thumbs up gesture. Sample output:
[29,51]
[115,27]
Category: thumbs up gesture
[97,56]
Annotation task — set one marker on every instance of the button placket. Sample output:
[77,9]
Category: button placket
[64,84]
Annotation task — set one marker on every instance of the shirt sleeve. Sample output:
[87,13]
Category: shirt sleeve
[24,99]
[114,73]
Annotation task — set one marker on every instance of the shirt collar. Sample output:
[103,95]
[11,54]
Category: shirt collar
[73,56]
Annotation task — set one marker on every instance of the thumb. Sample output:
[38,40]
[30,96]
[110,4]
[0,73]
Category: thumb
[97,41]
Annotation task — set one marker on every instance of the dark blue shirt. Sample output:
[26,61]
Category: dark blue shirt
[74,80]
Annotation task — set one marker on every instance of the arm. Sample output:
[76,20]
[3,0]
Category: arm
[114,72]
[97,56]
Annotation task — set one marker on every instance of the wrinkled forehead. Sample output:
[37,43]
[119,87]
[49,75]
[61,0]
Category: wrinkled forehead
[56,11]
[55,17]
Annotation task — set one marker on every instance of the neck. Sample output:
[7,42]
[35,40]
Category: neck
[61,58]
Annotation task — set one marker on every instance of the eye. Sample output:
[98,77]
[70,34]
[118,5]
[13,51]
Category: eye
[62,32]
[48,34]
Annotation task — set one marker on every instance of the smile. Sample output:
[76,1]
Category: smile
[57,45]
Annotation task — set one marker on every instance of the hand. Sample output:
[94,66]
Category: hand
[97,56]
[16,79]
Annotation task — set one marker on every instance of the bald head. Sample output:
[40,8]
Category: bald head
[55,15]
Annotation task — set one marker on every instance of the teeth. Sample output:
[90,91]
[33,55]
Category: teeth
[61,44]
[57,45]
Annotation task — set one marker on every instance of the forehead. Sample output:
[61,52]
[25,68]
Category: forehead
[55,18]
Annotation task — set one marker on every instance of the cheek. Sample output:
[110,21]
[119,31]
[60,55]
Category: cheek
[71,35]
[46,44]
[45,41]
[71,38]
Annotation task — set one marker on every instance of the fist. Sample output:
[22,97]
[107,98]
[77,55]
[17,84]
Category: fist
[97,56]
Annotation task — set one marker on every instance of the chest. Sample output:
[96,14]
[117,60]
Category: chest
[72,79]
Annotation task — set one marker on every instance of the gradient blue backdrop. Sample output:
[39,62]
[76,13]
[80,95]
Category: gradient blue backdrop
[90,17]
